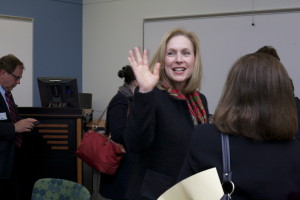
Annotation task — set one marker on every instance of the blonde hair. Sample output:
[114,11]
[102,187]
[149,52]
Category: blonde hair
[194,81]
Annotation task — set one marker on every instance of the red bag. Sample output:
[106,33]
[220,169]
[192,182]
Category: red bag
[100,152]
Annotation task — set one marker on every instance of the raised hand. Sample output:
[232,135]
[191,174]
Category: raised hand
[146,79]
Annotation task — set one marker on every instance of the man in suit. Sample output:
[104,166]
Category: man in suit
[11,129]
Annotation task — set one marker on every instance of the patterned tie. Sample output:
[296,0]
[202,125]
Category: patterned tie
[14,116]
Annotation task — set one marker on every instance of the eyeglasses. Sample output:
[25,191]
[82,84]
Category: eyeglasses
[16,77]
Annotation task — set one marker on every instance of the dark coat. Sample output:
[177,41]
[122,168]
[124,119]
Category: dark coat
[159,129]
[7,141]
[114,187]
[266,170]
[298,115]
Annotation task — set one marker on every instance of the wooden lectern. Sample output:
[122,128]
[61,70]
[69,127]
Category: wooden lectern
[52,143]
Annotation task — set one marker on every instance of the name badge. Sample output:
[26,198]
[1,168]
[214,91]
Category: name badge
[3,116]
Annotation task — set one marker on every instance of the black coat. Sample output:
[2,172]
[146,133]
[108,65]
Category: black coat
[267,170]
[7,141]
[114,187]
[159,129]
[298,115]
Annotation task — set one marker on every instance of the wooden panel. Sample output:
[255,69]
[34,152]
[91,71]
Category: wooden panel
[52,125]
[55,136]
[54,143]
[52,131]
[60,147]
[57,142]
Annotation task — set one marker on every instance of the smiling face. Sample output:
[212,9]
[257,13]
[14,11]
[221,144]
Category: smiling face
[179,60]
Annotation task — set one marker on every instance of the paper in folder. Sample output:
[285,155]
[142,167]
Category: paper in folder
[204,185]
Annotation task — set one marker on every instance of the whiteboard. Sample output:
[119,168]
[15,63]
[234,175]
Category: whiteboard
[16,37]
[224,38]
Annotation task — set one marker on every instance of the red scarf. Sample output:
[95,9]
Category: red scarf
[194,102]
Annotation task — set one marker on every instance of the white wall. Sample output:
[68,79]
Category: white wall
[17,39]
[225,38]
[112,27]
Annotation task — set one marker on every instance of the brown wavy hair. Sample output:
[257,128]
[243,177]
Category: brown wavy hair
[257,100]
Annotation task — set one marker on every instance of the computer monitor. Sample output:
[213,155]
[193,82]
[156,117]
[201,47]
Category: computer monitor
[58,92]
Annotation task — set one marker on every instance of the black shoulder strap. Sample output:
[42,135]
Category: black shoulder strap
[227,184]
[227,174]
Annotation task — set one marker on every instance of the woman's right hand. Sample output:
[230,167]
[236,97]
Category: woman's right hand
[140,65]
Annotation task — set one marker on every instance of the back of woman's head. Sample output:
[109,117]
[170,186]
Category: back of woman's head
[127,73]
[159,57]
[257,100]
[268,50]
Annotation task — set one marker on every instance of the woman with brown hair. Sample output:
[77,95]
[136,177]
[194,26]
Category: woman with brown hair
[257,110]
[272,51]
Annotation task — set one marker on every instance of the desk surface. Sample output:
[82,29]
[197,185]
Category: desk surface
[56,111]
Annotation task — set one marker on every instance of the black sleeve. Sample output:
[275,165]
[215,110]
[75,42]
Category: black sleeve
[141,122]
[298,116]
[204,151]
[190,165]
[117,119]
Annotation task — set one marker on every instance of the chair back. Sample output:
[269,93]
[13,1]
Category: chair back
[53,188]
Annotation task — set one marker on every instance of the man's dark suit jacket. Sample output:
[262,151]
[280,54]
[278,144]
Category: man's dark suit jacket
[7,141]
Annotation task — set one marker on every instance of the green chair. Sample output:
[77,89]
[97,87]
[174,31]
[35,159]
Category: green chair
[59,189]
